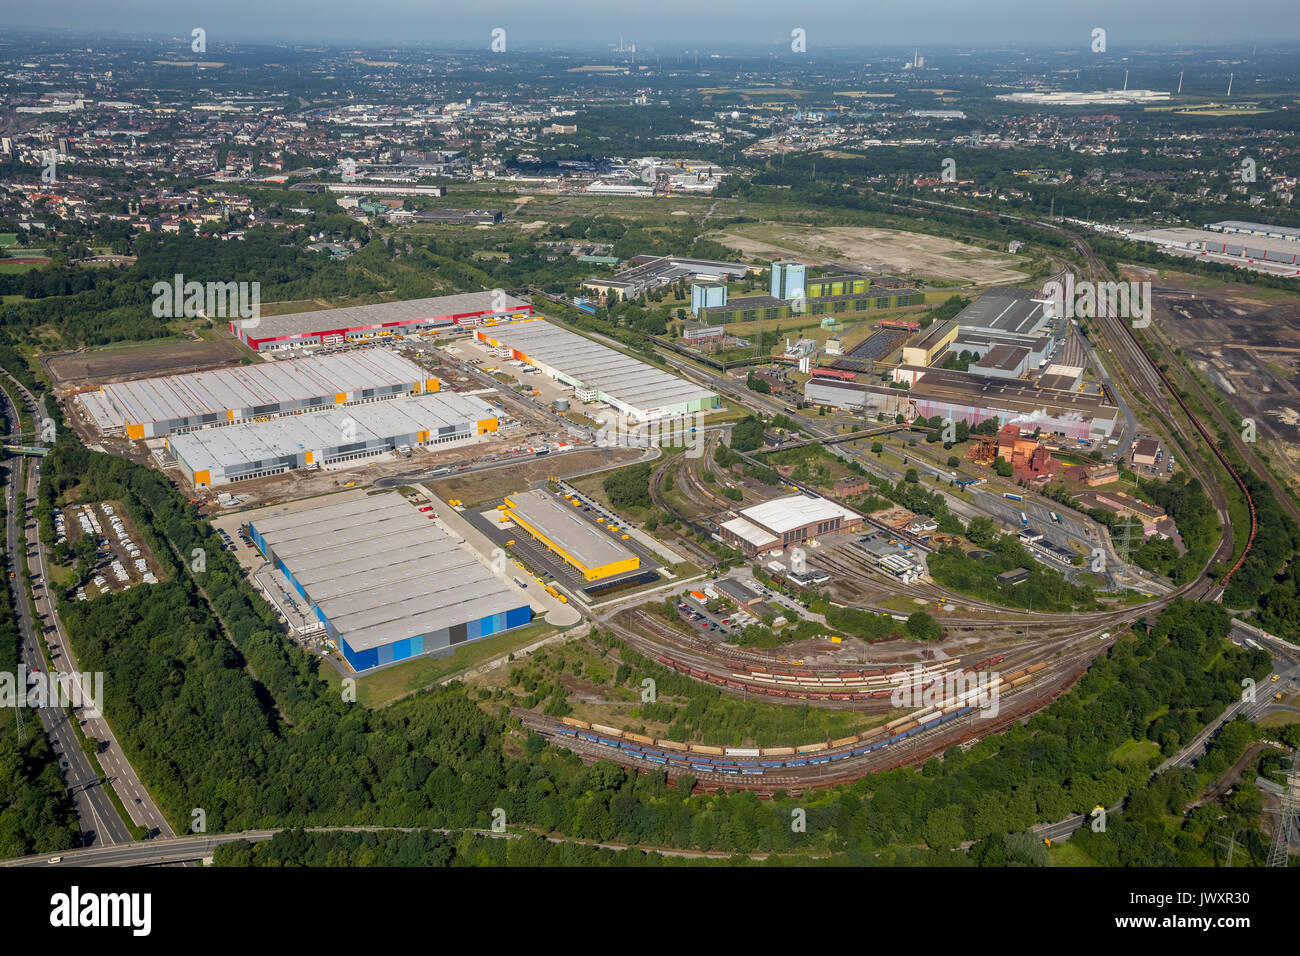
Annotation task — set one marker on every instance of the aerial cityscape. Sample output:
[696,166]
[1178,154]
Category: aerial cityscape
[653,446]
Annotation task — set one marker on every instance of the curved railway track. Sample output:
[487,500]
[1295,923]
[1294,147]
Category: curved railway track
[1067,655]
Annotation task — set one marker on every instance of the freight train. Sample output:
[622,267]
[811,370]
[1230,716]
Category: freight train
[870,684]
[750,761]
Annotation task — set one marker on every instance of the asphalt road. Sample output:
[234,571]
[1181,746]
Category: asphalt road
[1286,664]
[118,770]
[99,820]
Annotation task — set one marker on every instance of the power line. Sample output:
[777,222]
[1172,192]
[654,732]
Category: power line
[1281,845]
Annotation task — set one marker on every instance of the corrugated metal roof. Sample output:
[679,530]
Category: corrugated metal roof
[585,542]
[629,380]
[379,570]
[794,511]
[233,445]
[265,383]
[358,317]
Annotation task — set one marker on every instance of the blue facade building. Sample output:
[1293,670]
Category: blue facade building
[384,579]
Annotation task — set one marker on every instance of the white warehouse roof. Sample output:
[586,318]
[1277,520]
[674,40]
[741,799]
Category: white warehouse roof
[379,570]
[755,535]
[224,448]
[378,315]
[620,377]
[795,511]
[264,383]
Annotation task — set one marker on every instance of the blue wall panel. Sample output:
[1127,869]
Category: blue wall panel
[415,646]
[363,660]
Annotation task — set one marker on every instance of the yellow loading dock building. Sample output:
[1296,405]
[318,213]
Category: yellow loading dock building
[932,342]
[594,552]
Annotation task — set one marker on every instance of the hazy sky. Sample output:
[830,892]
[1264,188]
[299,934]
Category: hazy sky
[696,24]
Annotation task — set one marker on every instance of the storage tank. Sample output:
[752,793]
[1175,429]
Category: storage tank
[561,404]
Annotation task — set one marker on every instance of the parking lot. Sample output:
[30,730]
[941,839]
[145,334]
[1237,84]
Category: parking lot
[121,558]
[542,561]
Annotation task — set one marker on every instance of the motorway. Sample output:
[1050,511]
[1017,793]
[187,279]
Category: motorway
[98,818]
[191,848]
[103,818]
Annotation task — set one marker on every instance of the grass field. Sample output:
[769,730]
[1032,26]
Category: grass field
[392,684]
[1136,751]
[1279,718]
[1067,854]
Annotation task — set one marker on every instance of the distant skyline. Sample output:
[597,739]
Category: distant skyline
[586,24]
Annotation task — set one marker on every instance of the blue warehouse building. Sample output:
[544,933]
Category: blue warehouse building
[383,578]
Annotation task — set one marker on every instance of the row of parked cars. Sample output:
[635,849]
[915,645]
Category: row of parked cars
[702,620]
[228,543]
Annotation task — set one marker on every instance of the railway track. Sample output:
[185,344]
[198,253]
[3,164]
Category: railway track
[1014,706]
[1067,656]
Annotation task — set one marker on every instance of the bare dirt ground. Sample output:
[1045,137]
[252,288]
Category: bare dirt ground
[148,359]
[1246,341]
[489,485]
[864,249]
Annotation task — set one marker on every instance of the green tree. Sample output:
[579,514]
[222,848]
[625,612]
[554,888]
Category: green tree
[944,829]
[923,627]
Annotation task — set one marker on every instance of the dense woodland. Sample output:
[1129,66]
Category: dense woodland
[277,749]
[36,812]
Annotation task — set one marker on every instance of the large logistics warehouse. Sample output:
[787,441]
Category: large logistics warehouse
[216,456]
[153,407]
[387,582]
[587,547]
[358,323]
[596,372]
[783,522]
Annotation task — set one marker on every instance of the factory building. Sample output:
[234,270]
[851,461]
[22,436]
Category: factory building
[695,333]
[972,399]
[785,522]
[1279,251]
[589,548]
[360,323]
[752,308]
[1261,229]
[599,373]
[647,273]
[386,581]
[1062,378]
[1005,329]
[1005,310]
[929,346]
[153,407]
[980,344]
[1003,361]
[787,280]
[217,456]
[838,285]
[707,295]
